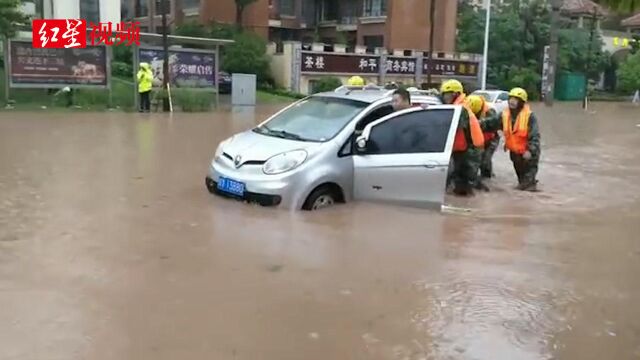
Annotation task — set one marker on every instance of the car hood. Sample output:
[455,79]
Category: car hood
[251,146]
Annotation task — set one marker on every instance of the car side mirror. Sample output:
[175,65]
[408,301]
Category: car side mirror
[361,144]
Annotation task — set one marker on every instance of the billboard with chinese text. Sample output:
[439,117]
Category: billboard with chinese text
[54,68]
[339,64]
[187,67]
[400,65]
[332,63]
[444,67]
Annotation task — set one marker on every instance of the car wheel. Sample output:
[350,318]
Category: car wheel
[320,198]
[211,186]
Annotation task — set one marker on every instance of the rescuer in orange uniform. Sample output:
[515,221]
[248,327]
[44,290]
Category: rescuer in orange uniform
[468,141]
[484,113]
[522,138]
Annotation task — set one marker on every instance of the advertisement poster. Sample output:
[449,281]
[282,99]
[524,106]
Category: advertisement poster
[49,68]
[187,68]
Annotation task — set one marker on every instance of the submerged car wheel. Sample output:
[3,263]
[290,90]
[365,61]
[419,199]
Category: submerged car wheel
[211,186]
[321,198]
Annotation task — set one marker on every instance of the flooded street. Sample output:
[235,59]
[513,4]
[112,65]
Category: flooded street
[112,248]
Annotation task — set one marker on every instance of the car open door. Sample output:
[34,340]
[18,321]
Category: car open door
[403,158]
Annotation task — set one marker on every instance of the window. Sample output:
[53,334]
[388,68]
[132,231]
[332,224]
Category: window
[416,132]
[503,96]
[160,7]
[314,119]
[287,7]
[375,8]
[190,4]
[329,10]
[373,42]
[379,113]
[90,11]
[140,8]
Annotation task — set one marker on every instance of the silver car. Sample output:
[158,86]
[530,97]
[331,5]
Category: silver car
[338,146]
[497,99]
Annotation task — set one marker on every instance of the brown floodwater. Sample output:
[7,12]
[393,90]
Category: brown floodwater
[111,248]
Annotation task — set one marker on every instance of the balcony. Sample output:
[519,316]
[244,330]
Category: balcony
[348,23]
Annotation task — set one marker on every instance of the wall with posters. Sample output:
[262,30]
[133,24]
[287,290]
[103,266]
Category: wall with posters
[190,68]
[56,68]
[298,69]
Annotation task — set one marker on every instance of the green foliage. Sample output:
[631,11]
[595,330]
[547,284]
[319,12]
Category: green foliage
[222,31]
[11,17]
[247,55]
[328,83]
[573,54]
[629,74]
[123,53]
[341,38]
[193,29]
[193,100]
[121,69]
[518,34]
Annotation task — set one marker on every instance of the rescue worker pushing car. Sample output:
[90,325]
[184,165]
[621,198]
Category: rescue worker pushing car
[468,142]
[522,138]
[486,115]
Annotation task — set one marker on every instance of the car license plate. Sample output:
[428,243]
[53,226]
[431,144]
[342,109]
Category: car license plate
[231,186]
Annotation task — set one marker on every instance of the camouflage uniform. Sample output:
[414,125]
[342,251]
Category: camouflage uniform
[465,163]
[486,163]
[526,170]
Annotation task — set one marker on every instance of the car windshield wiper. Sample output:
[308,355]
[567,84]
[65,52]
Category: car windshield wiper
[281,134]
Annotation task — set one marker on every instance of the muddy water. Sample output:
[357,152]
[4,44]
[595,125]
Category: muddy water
[111,248]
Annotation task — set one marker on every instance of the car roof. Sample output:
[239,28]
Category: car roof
[489,91]
[371,94]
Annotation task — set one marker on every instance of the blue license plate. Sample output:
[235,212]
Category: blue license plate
[231,186]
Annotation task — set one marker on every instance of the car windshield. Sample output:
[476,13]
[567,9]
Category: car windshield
[487,96]
[313,119]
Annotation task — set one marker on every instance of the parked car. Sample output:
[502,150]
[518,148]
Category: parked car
[338,146]
[497,99]
[224,82]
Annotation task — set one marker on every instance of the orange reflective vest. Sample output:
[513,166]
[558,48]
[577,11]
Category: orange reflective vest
[488,135]
[477,137]
[516,137]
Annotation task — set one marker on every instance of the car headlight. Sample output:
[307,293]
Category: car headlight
[220,148]
[284,162]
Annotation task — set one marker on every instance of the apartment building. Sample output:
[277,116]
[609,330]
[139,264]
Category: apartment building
[91,10]
[394,24]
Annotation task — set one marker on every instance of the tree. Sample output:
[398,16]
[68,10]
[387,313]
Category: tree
[574,54]
[241,5]
[629,74]
[247,55]
[11,17]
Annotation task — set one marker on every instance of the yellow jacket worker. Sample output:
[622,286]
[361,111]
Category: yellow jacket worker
[145,82]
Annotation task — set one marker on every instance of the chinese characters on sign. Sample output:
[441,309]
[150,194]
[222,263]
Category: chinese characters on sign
[400,66]
[334,63]
[186,68]
[72,33]
[452,67]
[312,62]
[42,67]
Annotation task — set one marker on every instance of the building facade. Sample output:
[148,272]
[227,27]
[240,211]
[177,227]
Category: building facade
[394,24]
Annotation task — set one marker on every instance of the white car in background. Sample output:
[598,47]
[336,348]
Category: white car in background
[497,99]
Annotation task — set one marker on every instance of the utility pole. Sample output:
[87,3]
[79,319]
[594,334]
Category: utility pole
[432,19]
[485,54]
[587,69]
[165,66]
[553,50]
